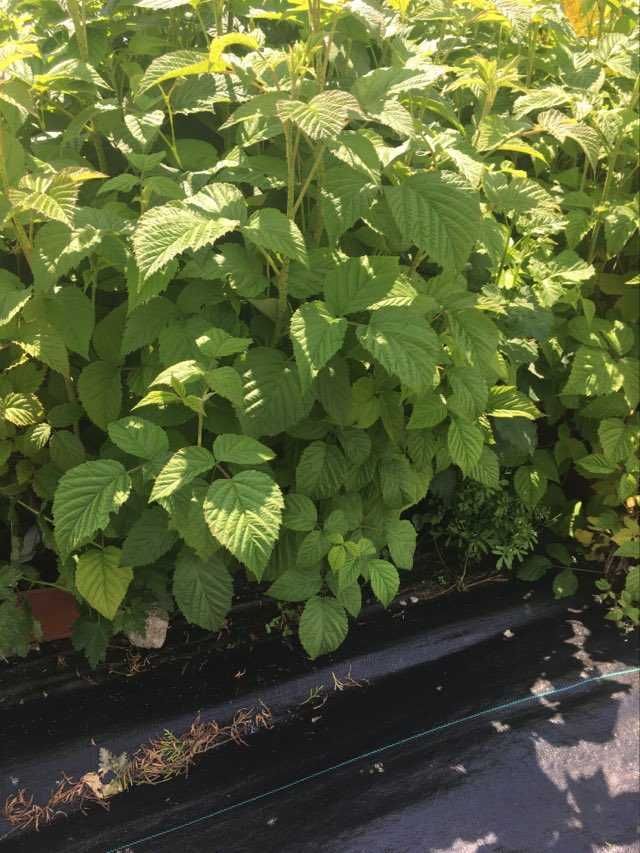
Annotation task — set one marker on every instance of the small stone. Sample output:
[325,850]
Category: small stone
[508,634]
[402,602]
[378,767]
[414,599]
[155,632]
[272,821]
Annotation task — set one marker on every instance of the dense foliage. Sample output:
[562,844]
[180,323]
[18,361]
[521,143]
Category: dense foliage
[267,271]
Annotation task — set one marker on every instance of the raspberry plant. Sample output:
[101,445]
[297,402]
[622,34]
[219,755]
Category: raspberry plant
[268,270]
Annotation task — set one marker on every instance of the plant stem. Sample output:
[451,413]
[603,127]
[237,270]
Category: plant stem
[309,178]
[200,428]
[76,10]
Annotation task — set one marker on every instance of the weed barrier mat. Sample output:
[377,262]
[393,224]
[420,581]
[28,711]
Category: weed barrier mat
[421,735]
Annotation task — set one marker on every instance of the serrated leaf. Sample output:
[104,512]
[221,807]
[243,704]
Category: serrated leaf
[271,397]
[618,440]
[165,232]
[439,214]
[241,449]
[593,372]
[357,283]
[401,540]
[565,584]
[324,116]
[300,513]
[102,580]
[533,568]
[271,230]
[321,470]
[138,437]
[181,63]
[323,626]
[13,296]
[148,539]
[21,409]
[244,514]
[296,585]
[384,580]
[505,401]
[428,411]
[203,590]
[530,485]
[404,344]
[91,636]
[184,466]
[317,336]
[84,500]
[66,450]
[465,442]
[487,469]
[100,392]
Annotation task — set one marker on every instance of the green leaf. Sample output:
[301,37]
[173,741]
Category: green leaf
[70,302]
[21,409]
[91,635]
[533,568]
[271,397]
[530,485]
[323,626]
[595,463]
[465,442]
[165,232]
[271,230]
[138,437]
[16,629]
[618,440]
[244,514]
[66,450]
[296,585]
[487,469]
[313,549]
[505,401]
[404,344]
[84,499]
[317,336]
[100,392]
[148,539]
[565,584]
[13,296]
[428,411]
[321,470]
[181,63]
[300,513]
[183,467]
[324,116]
[384,580]
[357,283]
[203,590]
[439,214]
[227,383]
[593,372]
[102,580]
[401,539]
[241,449]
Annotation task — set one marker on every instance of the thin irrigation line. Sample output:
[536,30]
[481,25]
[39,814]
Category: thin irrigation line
[354,759]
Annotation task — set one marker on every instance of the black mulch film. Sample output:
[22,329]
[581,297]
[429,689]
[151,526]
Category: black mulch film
[418,737]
